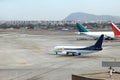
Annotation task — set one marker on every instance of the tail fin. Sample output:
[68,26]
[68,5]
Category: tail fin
[115,29]
[81,28]
[98,45]
[99,42]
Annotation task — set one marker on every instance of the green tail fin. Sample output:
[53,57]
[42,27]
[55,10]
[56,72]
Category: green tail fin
[81,28]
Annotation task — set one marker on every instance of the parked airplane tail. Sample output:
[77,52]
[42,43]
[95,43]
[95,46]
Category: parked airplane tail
[81,28]
[115,29]
[98,44]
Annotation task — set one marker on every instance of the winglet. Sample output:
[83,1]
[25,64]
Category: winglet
[115,29]
[81,28]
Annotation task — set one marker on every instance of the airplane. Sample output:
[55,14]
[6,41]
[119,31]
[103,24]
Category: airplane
[115,29]
[78,50]
[107,35]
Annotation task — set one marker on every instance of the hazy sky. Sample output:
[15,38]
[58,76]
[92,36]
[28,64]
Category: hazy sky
[55,9]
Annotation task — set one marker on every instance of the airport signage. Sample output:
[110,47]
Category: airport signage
[110,63]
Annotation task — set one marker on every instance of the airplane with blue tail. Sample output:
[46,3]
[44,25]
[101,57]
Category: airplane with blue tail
[78,50]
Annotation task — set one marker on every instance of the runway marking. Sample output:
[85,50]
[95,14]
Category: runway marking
[23,62]
[92,57]
[115,58]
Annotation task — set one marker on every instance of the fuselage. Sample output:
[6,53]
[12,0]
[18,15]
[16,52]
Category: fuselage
[97,34]
[76,50]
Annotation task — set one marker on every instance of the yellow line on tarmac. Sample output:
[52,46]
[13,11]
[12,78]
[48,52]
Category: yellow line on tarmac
[22,62]
[115,58]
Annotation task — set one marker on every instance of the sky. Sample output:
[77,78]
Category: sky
[55,9]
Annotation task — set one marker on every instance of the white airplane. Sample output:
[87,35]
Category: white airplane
[107,35]
[78,50]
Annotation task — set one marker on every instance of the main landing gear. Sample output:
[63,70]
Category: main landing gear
[73,54]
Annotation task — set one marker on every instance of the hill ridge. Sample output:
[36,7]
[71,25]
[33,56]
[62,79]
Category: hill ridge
[81,16]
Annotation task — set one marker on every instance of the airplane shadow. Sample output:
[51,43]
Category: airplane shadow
[88,56]
[77,56]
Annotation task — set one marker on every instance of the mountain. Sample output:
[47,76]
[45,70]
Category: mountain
[90,17]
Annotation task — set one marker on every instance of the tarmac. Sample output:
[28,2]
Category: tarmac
[28,55]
